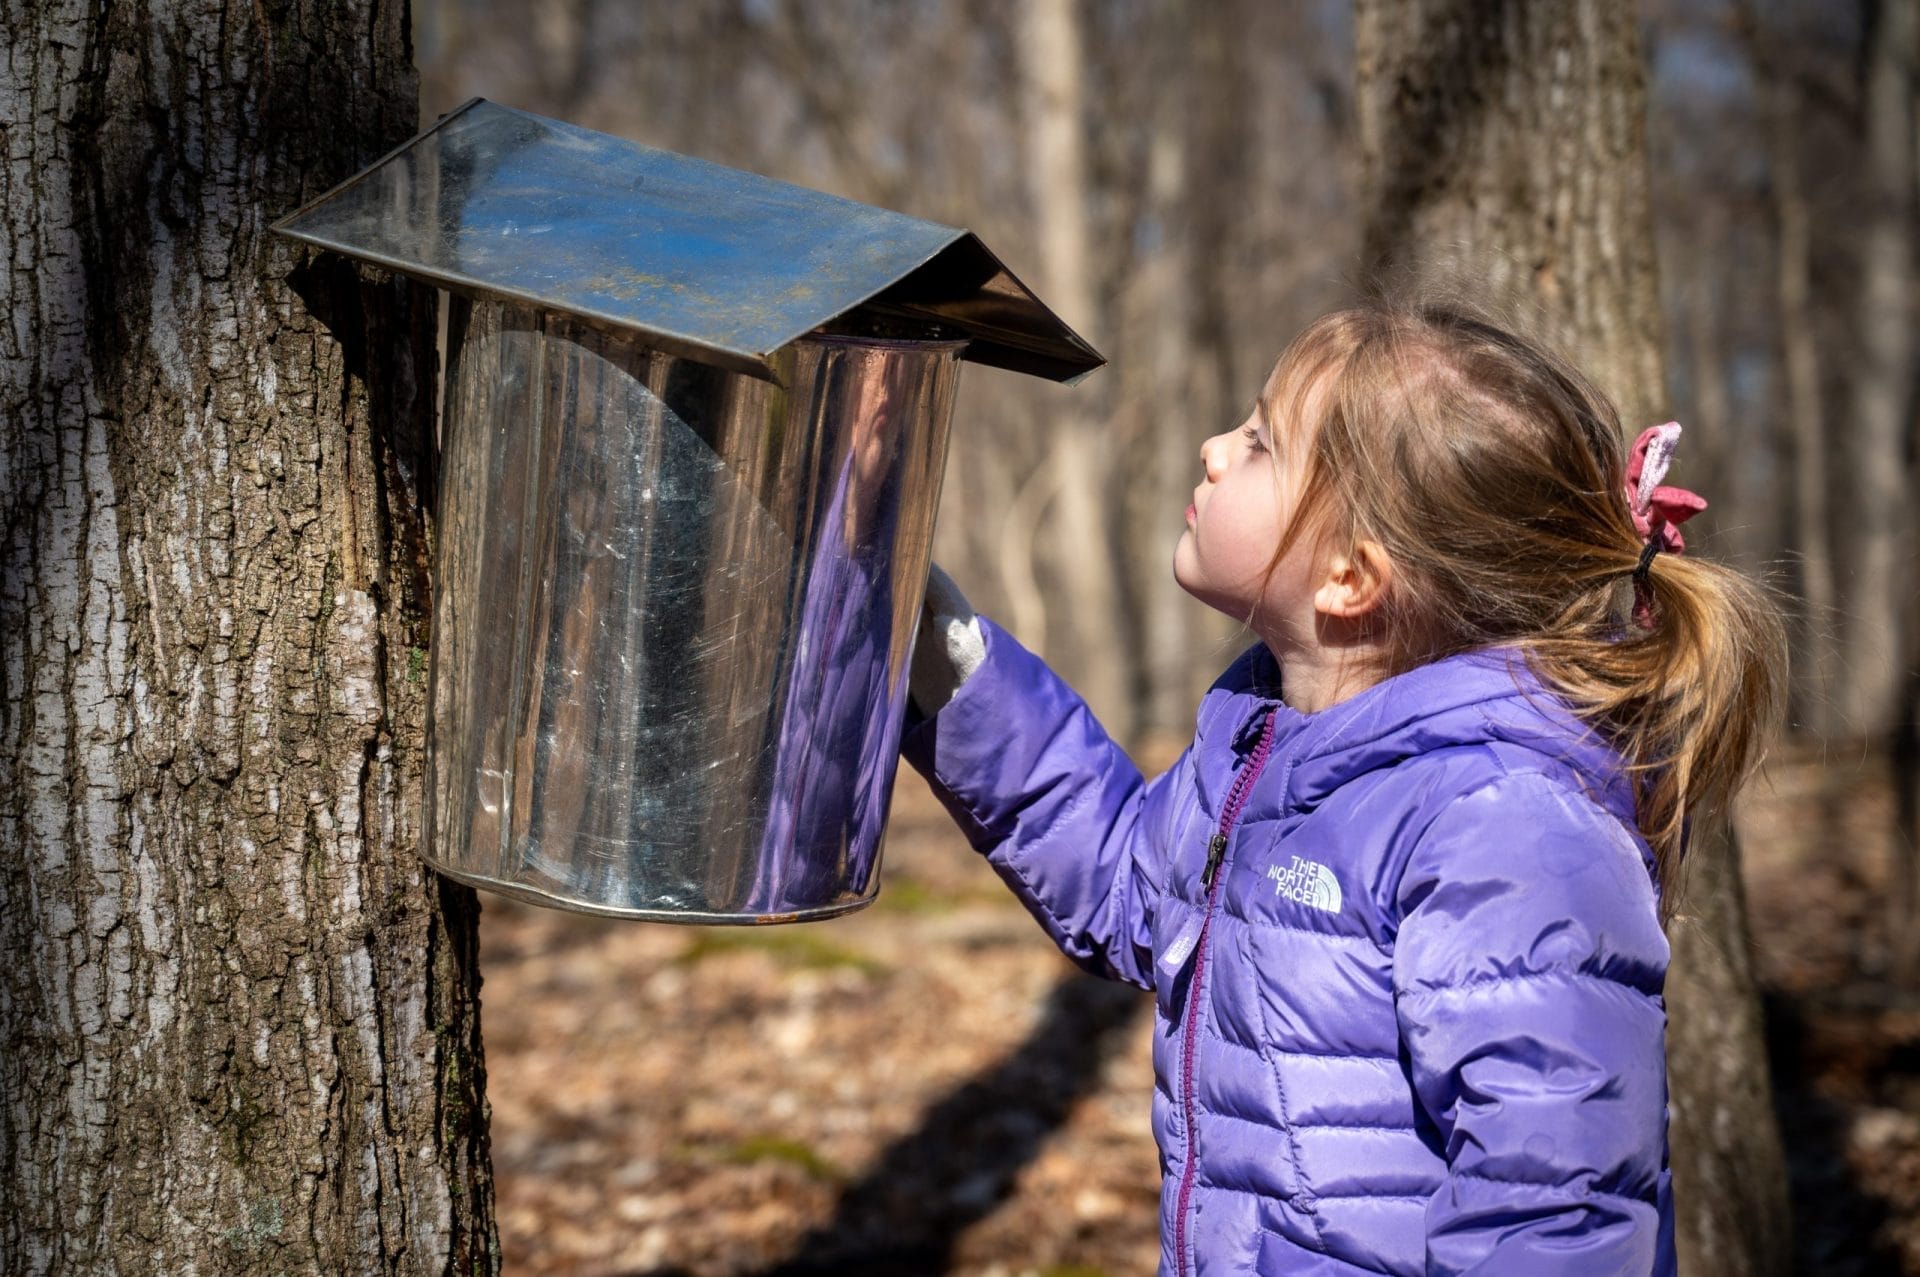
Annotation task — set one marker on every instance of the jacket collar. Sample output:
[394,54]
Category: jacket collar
[1474,698]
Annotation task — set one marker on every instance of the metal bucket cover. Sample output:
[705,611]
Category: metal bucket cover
[708,262]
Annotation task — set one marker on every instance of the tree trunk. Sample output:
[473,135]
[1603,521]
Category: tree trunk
[1877,538]
[1504,150]
[1903,890]
[1504,145]
[1168,387]
[1793,230]
[1077,472]
[1702,304]
[239,1024]
[1879,637]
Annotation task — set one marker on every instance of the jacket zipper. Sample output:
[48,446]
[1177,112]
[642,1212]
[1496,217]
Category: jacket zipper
[1210,879]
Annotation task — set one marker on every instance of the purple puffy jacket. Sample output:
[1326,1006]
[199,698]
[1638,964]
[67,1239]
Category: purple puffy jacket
[1409,1019]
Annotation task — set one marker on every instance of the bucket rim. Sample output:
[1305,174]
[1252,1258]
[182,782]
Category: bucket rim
[929,344]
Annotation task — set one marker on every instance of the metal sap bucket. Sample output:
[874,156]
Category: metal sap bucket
[673,616]
[684,524]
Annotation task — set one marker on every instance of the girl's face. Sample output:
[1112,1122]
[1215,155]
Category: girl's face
[1239,513]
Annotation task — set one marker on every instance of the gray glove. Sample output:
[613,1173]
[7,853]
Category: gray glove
[949,647]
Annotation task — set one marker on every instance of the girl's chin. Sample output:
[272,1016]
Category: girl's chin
[1182,570]
[1229,603]
[1199,589]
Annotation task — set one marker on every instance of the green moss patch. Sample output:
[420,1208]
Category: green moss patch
[796,949]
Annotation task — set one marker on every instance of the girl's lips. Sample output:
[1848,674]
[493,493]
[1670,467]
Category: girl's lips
[1190,513]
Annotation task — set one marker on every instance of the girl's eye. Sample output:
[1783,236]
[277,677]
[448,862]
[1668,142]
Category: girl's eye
[1252,435]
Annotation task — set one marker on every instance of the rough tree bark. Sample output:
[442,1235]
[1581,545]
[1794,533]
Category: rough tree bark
[1504,148]
[239,1026]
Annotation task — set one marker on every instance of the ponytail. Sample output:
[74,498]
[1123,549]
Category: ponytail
[1690,702]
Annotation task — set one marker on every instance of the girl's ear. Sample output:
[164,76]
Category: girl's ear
[1356,583]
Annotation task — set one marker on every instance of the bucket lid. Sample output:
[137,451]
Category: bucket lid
[708,262]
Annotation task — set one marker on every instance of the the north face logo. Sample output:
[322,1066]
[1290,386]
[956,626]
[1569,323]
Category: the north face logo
[1307,882]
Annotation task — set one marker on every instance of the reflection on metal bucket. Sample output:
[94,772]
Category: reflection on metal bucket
[673,616]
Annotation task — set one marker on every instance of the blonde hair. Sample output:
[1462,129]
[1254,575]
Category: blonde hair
[1493,475]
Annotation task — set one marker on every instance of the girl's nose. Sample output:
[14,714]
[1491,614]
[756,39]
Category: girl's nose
[1213,455]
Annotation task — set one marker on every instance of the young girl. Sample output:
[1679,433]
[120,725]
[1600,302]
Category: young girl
[1397,902]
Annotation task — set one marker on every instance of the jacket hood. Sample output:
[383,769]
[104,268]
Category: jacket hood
[1485,697]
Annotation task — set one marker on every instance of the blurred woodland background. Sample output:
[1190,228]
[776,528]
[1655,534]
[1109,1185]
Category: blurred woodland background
[1186,182]
[1210,207]
[239,1017]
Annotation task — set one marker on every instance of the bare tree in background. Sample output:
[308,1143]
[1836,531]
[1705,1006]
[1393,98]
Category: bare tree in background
[1076,473]
[1878,642]
[1162,394]
[239,1017]
[1801,368]
[1877,537]
[1505,144]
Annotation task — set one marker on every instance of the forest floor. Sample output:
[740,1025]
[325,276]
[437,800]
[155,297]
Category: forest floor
[926,1087]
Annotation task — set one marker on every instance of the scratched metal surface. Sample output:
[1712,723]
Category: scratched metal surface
[706,261]
[673,610]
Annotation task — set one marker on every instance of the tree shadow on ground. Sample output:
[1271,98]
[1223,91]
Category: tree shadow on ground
[905,1215]
[1806,1043]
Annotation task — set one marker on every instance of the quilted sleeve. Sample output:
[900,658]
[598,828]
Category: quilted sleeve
[1061,812]
[1528,968]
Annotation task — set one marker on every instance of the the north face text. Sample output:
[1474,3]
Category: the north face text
[1307,882]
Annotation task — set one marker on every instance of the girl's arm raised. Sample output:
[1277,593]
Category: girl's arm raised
[1528,968]
[1061,812]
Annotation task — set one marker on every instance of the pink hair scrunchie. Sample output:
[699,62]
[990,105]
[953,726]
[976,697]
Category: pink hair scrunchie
[1658,510]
